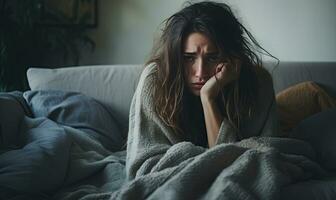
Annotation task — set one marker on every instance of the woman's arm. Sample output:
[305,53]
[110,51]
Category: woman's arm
[209,93]
[213,119]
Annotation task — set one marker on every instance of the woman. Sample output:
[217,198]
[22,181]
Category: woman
[203,84]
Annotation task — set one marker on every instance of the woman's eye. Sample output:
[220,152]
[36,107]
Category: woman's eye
[188,58]
[212,59]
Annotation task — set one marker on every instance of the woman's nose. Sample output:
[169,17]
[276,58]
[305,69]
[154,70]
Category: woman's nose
[199,65]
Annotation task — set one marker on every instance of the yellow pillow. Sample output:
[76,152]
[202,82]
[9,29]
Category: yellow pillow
[301,101]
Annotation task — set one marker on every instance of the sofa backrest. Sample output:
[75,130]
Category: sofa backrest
[290,73]
[114,85]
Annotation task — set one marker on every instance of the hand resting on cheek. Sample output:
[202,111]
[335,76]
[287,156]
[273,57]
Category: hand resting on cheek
[225,73]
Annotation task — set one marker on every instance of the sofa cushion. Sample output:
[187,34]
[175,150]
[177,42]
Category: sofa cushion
[320,131]
[301,101]
[112,85]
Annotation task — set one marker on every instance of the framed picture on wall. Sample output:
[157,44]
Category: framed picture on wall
[70,13]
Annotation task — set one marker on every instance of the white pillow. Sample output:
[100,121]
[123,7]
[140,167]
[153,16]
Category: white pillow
[112,85]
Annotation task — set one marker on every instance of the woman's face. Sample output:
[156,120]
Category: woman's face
[200,58]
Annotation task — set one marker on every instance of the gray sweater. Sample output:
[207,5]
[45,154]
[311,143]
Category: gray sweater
[149,138]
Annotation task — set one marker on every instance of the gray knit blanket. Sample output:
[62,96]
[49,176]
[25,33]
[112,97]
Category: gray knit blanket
[255,168]
[160,165]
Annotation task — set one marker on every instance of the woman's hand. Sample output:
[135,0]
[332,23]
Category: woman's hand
[225,73]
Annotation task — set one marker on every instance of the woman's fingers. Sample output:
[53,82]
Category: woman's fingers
[221,71]
[227,72]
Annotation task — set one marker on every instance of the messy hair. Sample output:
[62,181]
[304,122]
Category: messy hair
[235,44]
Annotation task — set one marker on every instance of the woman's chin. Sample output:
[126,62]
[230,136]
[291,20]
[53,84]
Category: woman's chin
[196,92]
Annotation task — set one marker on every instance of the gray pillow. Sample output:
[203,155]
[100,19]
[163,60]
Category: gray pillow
[320,131]
[112,85]
[78,111]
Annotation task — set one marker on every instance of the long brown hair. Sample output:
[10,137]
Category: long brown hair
[235,44]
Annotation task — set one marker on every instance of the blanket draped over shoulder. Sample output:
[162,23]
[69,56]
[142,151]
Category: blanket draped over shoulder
[159,165]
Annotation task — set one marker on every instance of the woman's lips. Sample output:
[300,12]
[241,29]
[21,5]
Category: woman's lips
[198,85]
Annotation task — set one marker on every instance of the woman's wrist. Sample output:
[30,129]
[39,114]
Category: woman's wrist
[208,96]
[207,100]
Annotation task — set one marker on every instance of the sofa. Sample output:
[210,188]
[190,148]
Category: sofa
[66,137]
